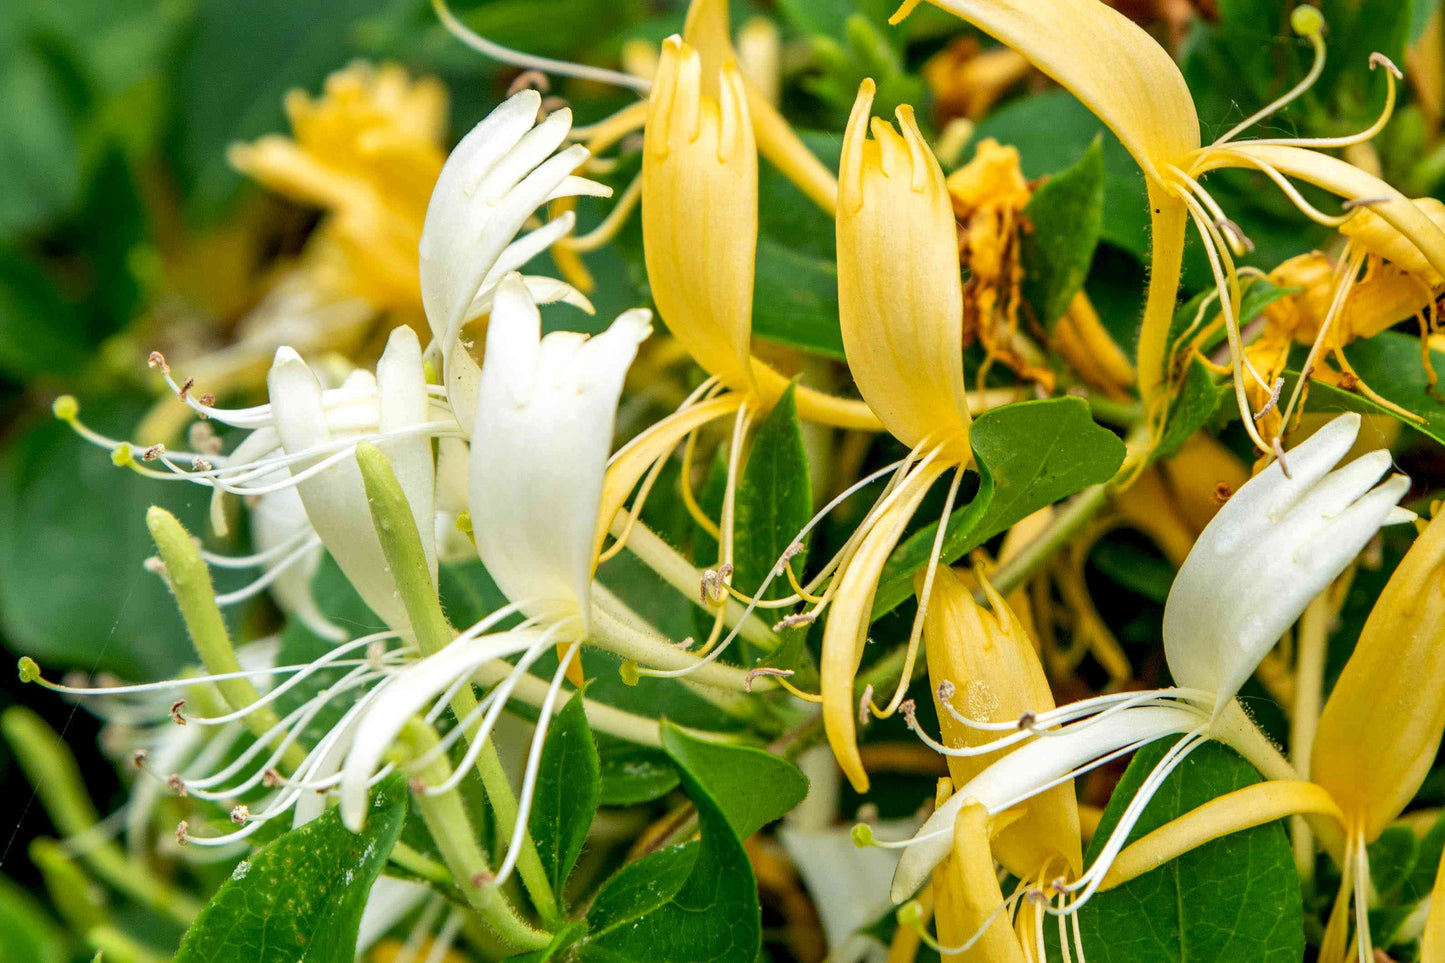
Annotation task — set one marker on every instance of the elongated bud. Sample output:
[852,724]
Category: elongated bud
[984,666]
[967,896]
[1382,724]
[700,210]
[900,297]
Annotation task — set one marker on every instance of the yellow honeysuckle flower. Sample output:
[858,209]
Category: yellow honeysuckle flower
[966,81]
[900,305]
[984,668]
[1134,87]
[700,226]
[1381,726]
[969,908]
[367,151]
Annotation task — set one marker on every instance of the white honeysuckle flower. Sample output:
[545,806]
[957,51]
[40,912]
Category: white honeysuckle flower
[335,499]
[279,525]
[500,173]
[453,491]
[546,408]
[1276,544]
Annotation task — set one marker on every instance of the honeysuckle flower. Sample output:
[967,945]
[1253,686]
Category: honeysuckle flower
[1381,726]
[900,303]
[303,439]
[1117,70]
[1279,541]
[966,81]
[368,152]
[506,168]
[985,668]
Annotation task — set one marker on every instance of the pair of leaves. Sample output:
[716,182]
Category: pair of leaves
[299,900]
[1236,898]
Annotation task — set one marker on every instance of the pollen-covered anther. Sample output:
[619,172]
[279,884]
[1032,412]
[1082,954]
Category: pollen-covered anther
[185,388]
[153,452]
[946,690]
[1273,399]
[1036,896]
[1222,492]
[155,566]
[241,815]
[201,464]
[1350,203]
[158,360]
[1378,59]
[182,830]
[764,670]
[209,400]
[178,712]
[1027,721]
[795,620]
[177,785]
[909,708]
[139,758]
[374,653]
[1235,233]
[271,778]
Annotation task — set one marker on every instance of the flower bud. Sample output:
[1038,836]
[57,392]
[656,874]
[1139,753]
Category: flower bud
[900,296]
[987,667]
[700,210]
[967,896]
[1381,726]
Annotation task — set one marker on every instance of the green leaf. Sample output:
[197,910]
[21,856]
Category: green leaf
[1067,213]
[568,786]
[299,900]
[1420,13]
[1392,856]
[1236,898]
[750,786]
[774,499]
[39,153]
[1029,454]
[1391,365]
[632,775]
[26,931]
[40,330]
[697,903]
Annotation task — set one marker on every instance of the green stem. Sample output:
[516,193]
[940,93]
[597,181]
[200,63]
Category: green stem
[446,819]
[190,581]
[401,544]
[418,865]
[51,769]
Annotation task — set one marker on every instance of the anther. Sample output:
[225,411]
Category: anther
[1378,59]
[687,643]
[909,708]
[209,400]
[153,452]
[139,758]
[271,778]
[178,712]
[796,620]
[186,387]
[417,784]
[181,830]
[764,670]
[176,784]
[1027,721]
[374,652]
[530,80]
[1279,454]
[1350,203]
[155,566]
[241,815]
[946,690]
[29,669]
[1222,493]
[201,464]
[203,438]
[1236,234]
[158,360]
[1273,399]
[482,878]
[863,704]
[1036,896]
